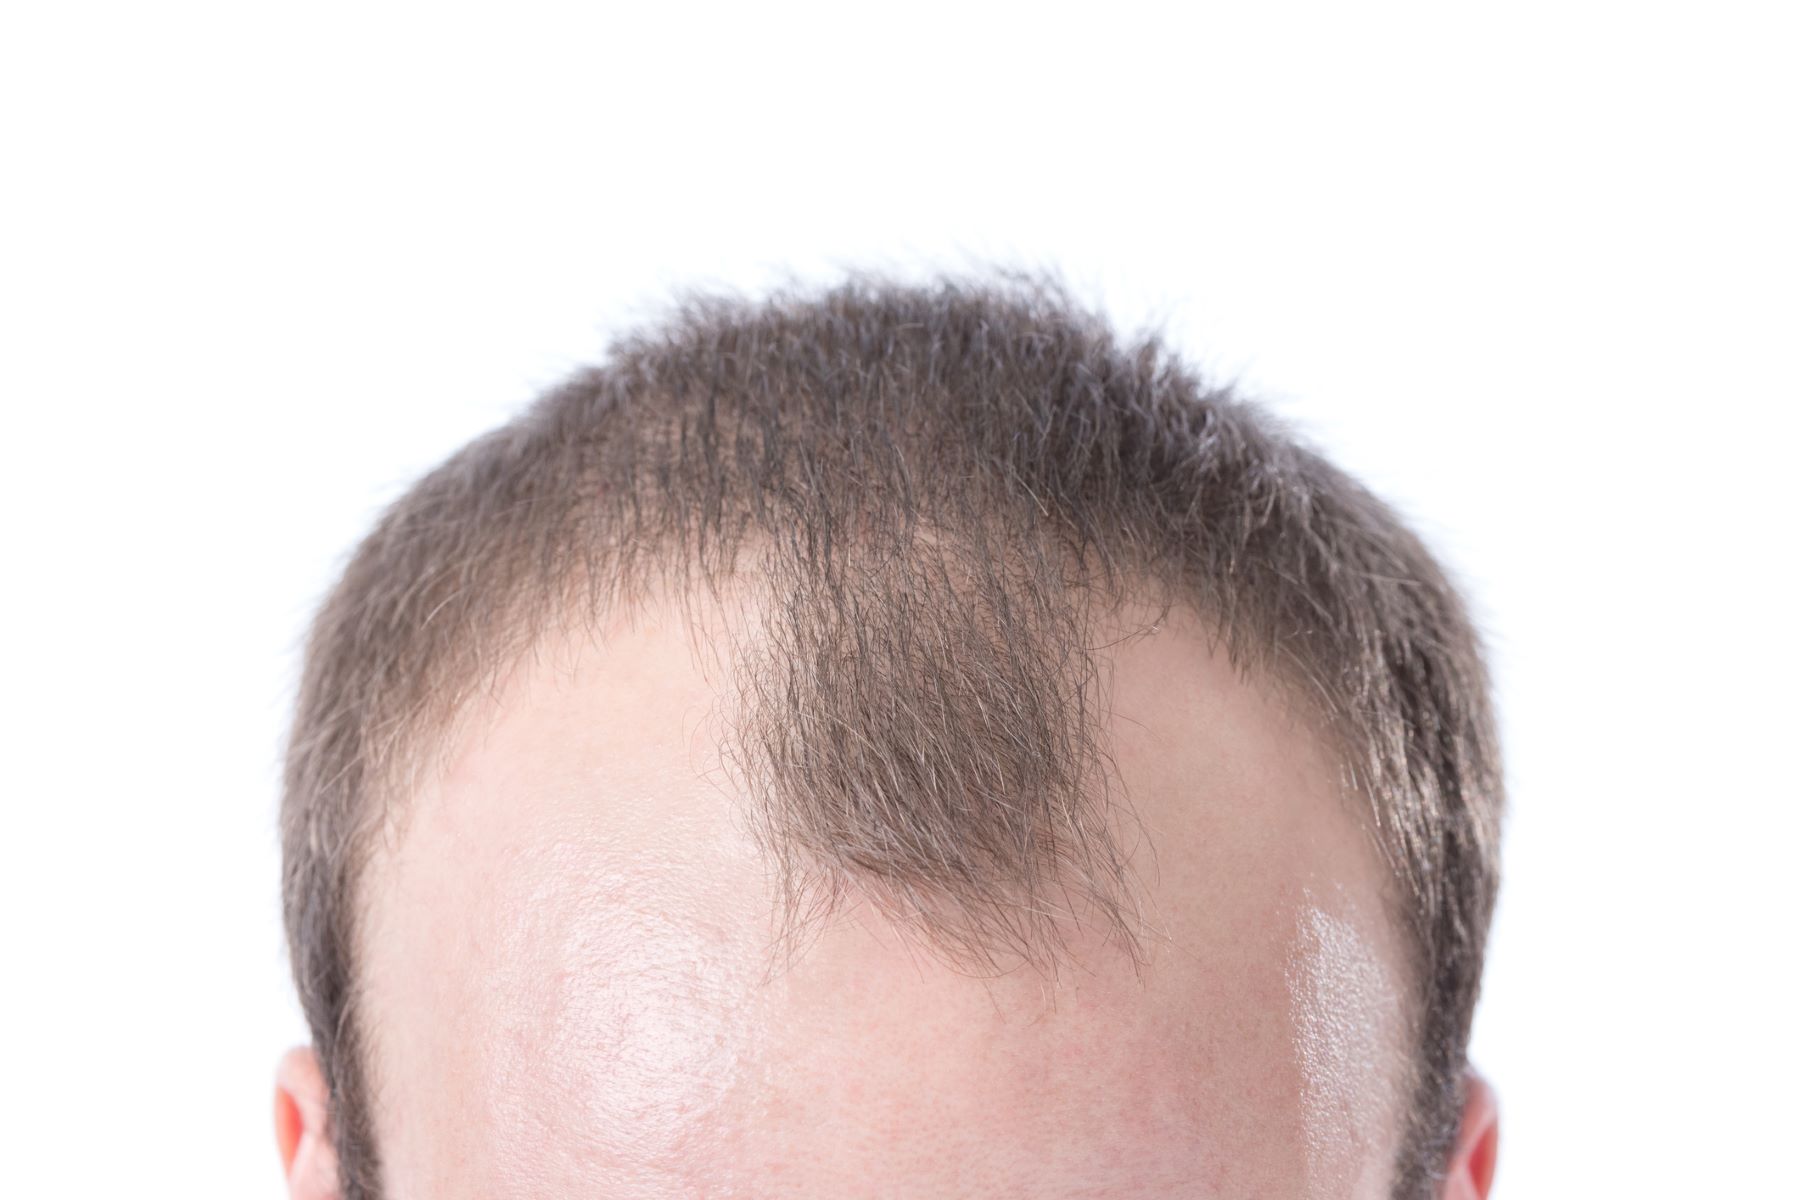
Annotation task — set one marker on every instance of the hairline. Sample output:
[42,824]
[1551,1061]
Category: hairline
[425,750]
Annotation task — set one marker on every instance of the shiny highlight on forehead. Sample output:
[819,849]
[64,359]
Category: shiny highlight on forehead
[1343,1002]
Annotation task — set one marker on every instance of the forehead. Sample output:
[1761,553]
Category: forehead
[572,986]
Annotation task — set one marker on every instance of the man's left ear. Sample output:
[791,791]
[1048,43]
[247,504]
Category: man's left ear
[1471,1171]
[308,1158]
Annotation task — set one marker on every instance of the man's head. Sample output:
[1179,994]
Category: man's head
[892,741]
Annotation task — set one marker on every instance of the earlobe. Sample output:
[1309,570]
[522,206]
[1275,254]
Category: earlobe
[302,1135]
[1471,1172]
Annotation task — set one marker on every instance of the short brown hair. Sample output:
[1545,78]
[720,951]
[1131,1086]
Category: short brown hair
[932,481]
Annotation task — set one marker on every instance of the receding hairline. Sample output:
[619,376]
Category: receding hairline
[423,751]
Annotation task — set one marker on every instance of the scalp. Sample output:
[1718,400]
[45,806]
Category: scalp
[938,487]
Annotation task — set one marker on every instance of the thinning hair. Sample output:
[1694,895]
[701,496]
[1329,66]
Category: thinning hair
[933,487]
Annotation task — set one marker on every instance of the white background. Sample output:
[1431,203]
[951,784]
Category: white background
[1530,271]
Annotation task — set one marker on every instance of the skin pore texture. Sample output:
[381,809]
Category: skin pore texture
[573,985]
